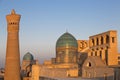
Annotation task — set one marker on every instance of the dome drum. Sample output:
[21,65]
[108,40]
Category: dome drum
[64,48]
[66,57]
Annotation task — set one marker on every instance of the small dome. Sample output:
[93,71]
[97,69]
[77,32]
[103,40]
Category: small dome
[67,40]
[28,56]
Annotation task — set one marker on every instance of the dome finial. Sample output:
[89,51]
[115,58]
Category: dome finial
[13,11]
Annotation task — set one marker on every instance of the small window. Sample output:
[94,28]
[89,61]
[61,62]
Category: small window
[107,39]
[89,64]
[113,39]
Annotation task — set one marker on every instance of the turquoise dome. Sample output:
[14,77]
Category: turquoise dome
[66,40]
[28,56]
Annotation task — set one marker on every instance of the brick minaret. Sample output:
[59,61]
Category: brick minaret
[12,65]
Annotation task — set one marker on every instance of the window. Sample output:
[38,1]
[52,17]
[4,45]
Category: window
[113,39]
[93,42]
[101,40]
[89,64]
[97,41]
[107,39]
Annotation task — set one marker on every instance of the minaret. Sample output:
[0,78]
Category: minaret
[12,65]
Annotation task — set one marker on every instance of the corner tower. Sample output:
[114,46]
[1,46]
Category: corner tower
[12,65]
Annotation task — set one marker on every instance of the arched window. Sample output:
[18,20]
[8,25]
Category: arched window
[102,40]
[97,41]
[93,42]
[107,39]
[113,39]
[89,64]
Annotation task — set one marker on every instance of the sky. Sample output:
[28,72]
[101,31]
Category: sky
[44,21]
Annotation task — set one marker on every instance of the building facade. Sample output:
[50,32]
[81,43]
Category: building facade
[91,58]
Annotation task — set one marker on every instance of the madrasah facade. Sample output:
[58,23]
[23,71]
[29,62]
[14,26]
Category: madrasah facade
[96,58]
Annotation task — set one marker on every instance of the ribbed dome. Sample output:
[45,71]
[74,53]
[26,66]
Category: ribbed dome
[28,56]
[66,40]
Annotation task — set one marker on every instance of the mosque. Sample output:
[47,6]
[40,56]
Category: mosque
[93,59]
